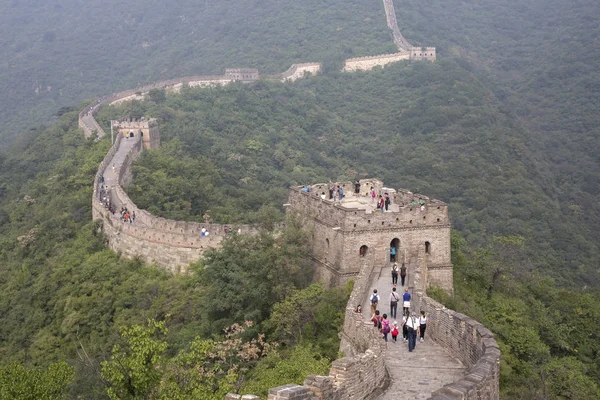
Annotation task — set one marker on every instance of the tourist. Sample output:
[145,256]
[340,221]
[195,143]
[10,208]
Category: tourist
[358,309]
[405,327]
[387,201]
[357,188]
[392,253]
[412,204]
[374,301]
[376,319]
[373,195]
[412,327]
[331,187]
[406,301]
[385,327]
[422,325]
[340,192]
[394,273]
[395,332]
[381,204]
[394,297]
[402,274]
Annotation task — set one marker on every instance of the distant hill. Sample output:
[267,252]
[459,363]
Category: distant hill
[57,53]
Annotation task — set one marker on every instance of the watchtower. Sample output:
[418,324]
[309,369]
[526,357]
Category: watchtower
[352,233]
[146,128]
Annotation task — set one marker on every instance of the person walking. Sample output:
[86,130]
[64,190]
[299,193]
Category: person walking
[357,188]
[406,301]
[412,326]
[331,188]
[393,254]
[376,319]
[395,332]
[405,327]
[402,274]
[394,297]
[374,301]
[422,325]
[373,195]
[395,274]
[385,327]
[387,202]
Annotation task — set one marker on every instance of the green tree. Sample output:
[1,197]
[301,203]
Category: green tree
[244,278]
[134,370]
[18,382]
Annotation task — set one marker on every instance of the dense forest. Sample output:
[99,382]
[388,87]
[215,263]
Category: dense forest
[75,315]
[503,127]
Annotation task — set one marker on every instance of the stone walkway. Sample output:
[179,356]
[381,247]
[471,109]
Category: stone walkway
[110,176]
[416,374]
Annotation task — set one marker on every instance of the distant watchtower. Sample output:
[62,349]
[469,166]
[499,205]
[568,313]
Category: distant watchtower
[146,128]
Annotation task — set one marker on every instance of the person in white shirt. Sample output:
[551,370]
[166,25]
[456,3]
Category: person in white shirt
[422,325]
[412,326]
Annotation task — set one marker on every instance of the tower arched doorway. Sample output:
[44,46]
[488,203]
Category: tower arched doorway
[363,251]
[395,250]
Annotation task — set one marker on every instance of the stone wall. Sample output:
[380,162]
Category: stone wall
[173,244]
[297,71]
[361,373]
[368,63]
[471,343]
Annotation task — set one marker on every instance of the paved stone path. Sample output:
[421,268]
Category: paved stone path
[110,176]
[416,374]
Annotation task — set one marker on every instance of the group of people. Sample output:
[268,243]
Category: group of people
[127,216]
[410,325]
[336,192]
[397,271]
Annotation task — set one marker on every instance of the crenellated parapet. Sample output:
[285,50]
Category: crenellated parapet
[370,62]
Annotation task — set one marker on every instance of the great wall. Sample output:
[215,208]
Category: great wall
[351,240]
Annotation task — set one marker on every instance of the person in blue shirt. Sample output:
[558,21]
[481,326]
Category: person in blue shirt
[406,301]
[340,193]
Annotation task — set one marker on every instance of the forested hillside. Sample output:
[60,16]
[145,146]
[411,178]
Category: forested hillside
[55,53]
[432,128]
